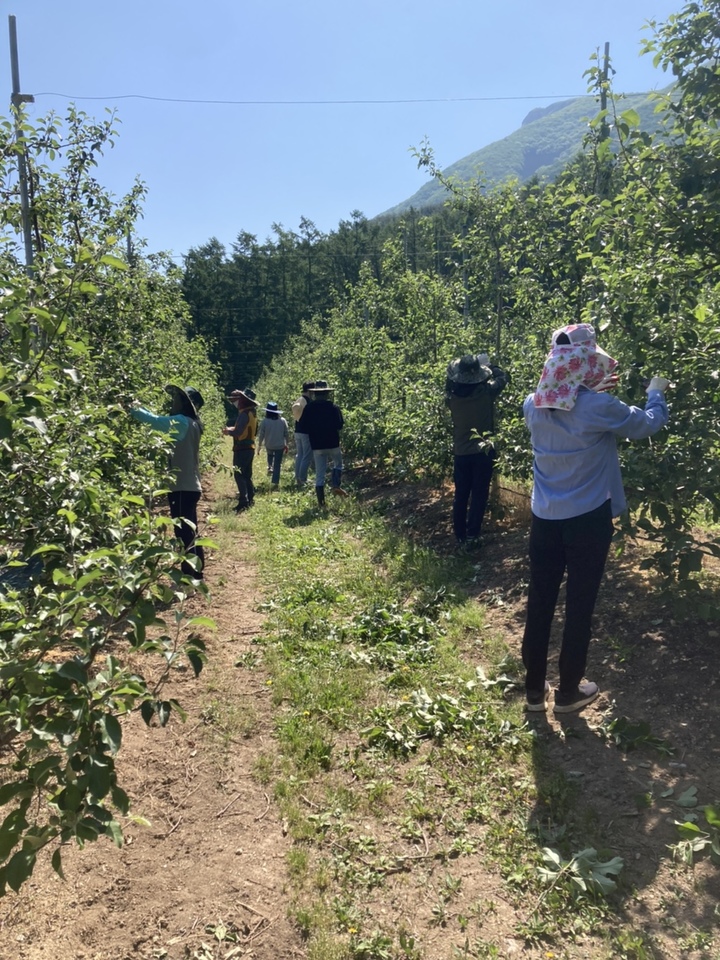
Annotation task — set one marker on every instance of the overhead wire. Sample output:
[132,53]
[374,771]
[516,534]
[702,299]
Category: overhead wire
[323,102]
[295,103]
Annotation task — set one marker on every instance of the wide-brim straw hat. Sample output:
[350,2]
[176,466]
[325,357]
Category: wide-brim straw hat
[246,394]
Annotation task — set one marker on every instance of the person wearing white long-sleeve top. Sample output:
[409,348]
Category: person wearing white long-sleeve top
[303,450]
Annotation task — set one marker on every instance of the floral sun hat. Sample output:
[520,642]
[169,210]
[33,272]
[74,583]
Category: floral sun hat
[569,366]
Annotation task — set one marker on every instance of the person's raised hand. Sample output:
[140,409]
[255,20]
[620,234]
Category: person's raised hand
[658,383]
[607,383]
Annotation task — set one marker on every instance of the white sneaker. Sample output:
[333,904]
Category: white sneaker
[586,693]
[538,703]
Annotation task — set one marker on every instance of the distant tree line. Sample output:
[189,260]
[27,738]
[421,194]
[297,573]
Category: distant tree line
[250,301]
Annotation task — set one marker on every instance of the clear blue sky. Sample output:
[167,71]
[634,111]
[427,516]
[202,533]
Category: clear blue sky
[213,170]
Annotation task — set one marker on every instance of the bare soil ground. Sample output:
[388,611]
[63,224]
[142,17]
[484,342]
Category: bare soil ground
[214,854]
[213,860]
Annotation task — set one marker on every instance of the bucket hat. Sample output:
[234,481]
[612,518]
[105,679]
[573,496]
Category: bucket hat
[189,394]
[472,368]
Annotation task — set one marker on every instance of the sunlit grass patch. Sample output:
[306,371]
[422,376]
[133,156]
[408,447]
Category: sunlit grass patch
[400,738]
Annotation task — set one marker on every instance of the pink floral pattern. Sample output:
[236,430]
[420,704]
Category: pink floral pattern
[571,366]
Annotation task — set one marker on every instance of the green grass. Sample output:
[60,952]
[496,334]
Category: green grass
[398,762]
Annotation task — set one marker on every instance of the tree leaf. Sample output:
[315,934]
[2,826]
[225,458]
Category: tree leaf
[19,868]
[688,798]
[115,262]
[56,862]
[202,622]
[197,661]
[112,731]
[115,831]
[148,709]
[631,117]
[38,424]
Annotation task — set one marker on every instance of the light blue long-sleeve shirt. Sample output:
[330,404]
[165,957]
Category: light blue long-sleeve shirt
[576,467]
[185,432]
[177,424]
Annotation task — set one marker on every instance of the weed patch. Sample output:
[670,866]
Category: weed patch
[404,765]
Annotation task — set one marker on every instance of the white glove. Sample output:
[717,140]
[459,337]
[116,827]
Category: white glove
[484,360]
[658,383]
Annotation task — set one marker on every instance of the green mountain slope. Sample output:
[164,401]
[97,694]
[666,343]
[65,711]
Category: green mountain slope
[547,140]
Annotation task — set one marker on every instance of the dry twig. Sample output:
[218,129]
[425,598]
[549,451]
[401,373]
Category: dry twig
[228,805]
[267,800]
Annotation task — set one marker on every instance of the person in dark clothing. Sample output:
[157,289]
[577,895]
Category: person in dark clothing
[471,387]
[303,450]
[323,421]
[243,433]
[185,427]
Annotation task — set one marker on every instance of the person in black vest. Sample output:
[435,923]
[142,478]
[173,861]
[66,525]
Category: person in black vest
[471,387]
[243,433]
[303,450]
[324,421]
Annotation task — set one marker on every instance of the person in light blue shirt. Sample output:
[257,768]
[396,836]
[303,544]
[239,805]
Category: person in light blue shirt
[577,490]
[273,432]
[185,427]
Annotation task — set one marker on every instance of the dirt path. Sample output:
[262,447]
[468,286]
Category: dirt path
[207,878]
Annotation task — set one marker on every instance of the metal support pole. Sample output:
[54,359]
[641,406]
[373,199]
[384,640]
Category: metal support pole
[17,100]
[603,89]
[603,171]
